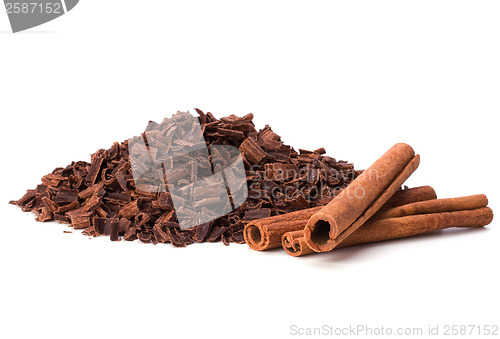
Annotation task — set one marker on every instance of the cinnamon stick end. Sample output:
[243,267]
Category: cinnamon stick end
[294,244]
[255,236]
[320,232]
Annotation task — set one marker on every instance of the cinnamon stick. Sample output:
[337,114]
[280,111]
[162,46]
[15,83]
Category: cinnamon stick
[361,199]
[295,244]
[264,234]
[408,196]
[394,228]
[435,206]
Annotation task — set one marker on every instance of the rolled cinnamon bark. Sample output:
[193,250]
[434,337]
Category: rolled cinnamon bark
[264,234]
[295,244]
[394,228]
[361,199]
[435,206]
[410,195]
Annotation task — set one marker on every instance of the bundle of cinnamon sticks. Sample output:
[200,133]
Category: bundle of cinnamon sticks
[372,208]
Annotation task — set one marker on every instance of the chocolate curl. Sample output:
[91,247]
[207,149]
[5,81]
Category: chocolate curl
[394,228]
[252,151]
[361,199]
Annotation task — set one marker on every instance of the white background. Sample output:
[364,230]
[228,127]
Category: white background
[353,77]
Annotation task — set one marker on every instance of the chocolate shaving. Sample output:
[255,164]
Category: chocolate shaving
[130,210]
[160,234]
[257,214]
[65,196]
[175,238]
[69,207]
[95,166]
[252,151]
[101,197]
[115,229]
[51,205]
[79,219]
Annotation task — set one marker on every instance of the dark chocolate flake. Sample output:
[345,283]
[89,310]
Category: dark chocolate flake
[101,196]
